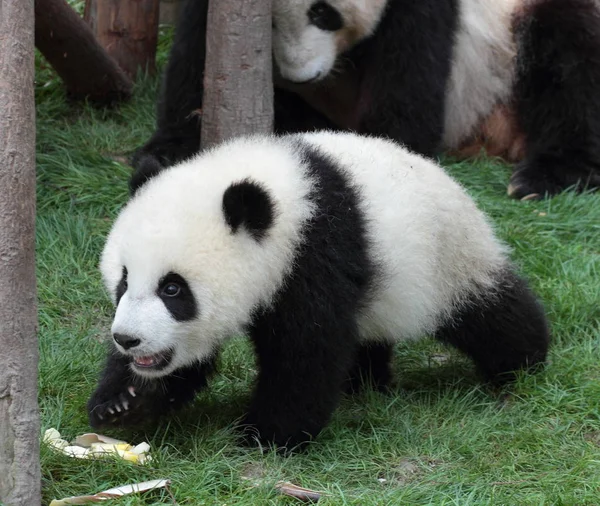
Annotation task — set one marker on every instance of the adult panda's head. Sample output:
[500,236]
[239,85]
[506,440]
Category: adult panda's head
[309,35]
[199,249]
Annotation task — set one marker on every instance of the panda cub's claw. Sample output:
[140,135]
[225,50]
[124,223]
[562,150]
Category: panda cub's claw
[121,409]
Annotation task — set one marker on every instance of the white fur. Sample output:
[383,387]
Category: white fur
[483,60]
[433,245]
[176,224]
[302,51]
[482,68]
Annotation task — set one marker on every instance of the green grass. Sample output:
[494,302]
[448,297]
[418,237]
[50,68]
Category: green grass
[440,439]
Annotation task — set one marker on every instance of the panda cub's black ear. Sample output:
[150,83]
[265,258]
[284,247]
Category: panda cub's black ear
[248,204]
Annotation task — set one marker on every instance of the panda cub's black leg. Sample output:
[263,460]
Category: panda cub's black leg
[371,367]
[503,332]
[303,366]
[557,95]
[122,398]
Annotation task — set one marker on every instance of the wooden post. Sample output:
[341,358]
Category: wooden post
[169,11]
[70,47]
[128,30]
[238,84]
[20,479]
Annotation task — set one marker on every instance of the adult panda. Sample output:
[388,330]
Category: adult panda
[519,77]
[325,248]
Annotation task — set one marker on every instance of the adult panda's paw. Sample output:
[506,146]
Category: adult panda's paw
[522,186]
[537,179]
[121,409]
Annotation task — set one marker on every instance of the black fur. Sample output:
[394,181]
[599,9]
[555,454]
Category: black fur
[177,135]
[325,17]
[404,69]
[147,166]
[558,96]
[178,113]
[112,403]
[372,367]
[182,306]
[122,286]
[502,332]
[247,204]
[307,341]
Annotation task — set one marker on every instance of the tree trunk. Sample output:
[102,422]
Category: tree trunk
[169,11]
[69,45]
[238,84]
[20,479]
[128,30]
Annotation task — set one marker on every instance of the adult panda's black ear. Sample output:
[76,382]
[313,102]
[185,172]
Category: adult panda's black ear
[249,205]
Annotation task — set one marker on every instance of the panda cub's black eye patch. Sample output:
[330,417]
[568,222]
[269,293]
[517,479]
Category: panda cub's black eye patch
[325,17]
[177,297]
[122,286]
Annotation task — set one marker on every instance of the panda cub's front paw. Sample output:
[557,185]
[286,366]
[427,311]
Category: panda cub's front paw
[123,408]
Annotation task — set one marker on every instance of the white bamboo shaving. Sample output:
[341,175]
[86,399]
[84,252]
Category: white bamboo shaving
[112,493]
[93,445]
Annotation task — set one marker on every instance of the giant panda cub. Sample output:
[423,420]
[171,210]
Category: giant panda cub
[518,77]
[325,249]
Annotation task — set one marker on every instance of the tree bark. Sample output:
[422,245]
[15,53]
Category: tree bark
[128,30]
[69,45]
[169,11]
[238,84]
[20,479]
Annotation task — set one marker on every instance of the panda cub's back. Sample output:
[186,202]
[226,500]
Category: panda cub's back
[429,240]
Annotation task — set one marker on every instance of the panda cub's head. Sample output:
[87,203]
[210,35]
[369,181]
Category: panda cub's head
[309,35]
[199,248]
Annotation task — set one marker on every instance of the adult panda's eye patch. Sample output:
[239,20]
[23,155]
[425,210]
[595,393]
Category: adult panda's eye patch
[325,17]
[177,296]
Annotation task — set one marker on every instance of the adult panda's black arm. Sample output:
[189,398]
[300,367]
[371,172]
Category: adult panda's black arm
[177,134]
[406,68]
[178,124]
[124,399]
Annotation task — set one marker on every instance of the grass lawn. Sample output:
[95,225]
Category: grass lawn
[440,438]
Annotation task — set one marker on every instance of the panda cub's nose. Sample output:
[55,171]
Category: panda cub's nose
[126,341]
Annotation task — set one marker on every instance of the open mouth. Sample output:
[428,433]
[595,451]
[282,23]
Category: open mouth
[155,362]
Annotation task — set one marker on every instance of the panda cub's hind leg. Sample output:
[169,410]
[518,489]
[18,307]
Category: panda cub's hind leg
[502,332]
[124,399]
[371,367]
[557,97]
